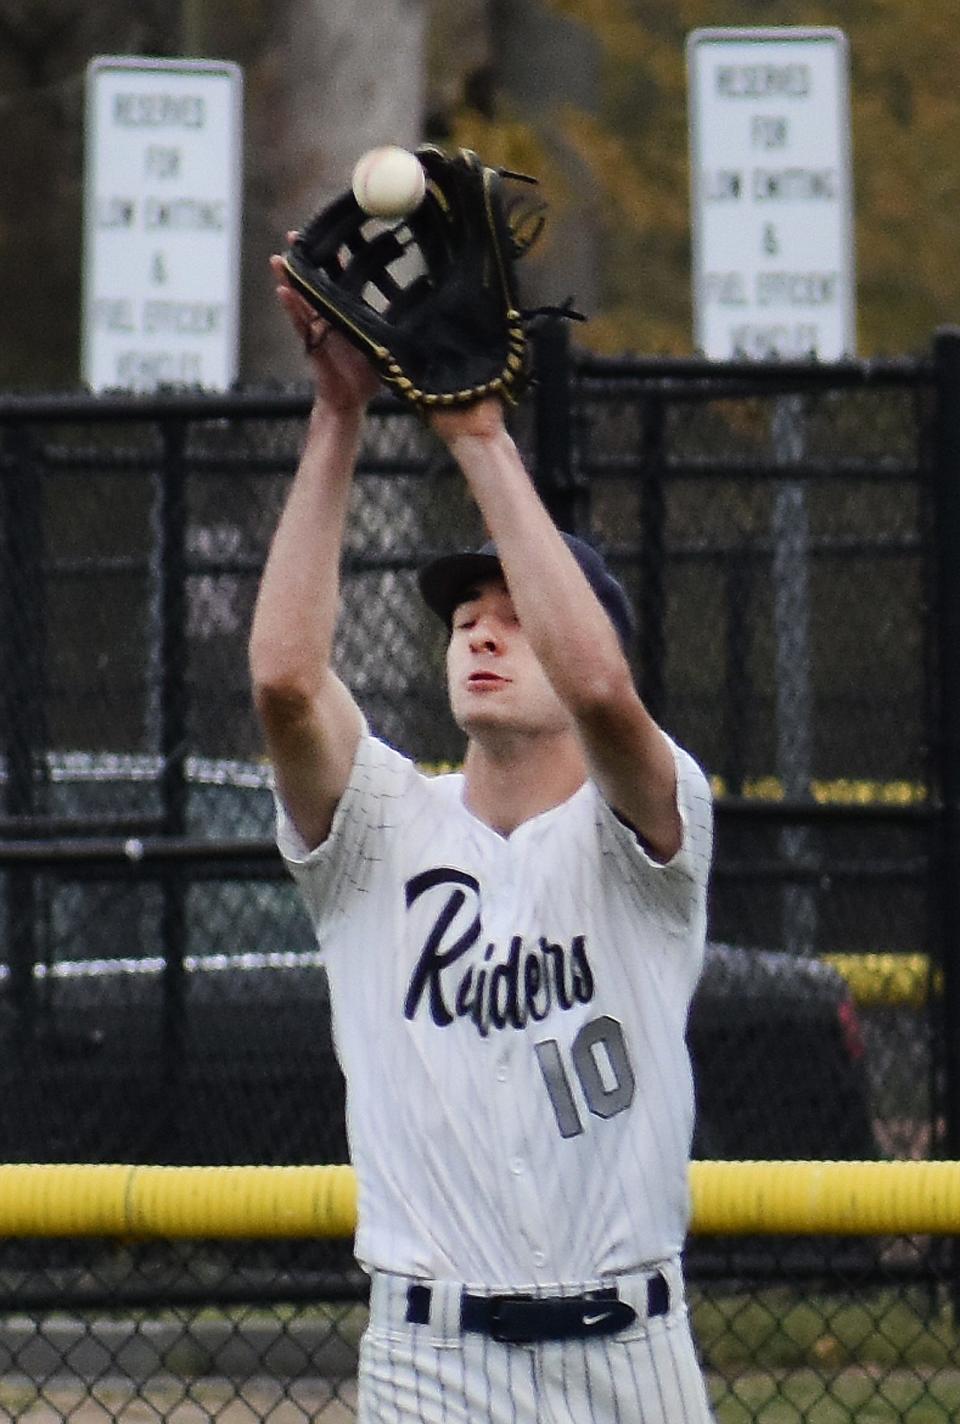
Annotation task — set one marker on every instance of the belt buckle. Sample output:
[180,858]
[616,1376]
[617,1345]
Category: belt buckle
[525,1320]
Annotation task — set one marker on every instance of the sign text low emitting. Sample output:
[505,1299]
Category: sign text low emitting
[161,224]
[771,194]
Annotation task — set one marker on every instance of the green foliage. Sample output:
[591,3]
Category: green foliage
[633,140]
[906,160]
[906,164]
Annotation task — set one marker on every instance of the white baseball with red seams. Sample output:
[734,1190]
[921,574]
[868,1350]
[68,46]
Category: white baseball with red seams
[509,1013]
[389,182]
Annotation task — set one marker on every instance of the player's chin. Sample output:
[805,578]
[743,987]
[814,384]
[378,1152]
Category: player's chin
[474,712]
[470,718]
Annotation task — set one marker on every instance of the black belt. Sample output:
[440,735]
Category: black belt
[522,1319]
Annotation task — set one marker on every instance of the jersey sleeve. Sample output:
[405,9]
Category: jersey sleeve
[344,867]
[679,885]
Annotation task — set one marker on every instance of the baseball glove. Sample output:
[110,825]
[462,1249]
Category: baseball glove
[431,299]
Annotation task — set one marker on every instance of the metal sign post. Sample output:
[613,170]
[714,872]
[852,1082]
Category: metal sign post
[162,208]
[773,279]
[770,185]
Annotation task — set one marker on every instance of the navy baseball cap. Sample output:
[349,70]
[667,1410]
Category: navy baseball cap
[445,582]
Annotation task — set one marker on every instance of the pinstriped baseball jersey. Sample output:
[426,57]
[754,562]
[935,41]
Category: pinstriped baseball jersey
[509,1013]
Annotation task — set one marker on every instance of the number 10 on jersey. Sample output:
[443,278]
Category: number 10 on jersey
[599,1043]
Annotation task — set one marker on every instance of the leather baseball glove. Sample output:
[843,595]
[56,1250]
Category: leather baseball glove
[431,299]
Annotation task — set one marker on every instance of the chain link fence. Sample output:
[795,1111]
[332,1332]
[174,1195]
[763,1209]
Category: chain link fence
[786,535]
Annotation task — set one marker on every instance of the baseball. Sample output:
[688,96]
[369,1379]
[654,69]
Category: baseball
[389,182]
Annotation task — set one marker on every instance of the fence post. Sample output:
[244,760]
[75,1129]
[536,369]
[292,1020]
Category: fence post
[553,474]
[738,593]
[652,637]
[23,733]
[172,732]
[790,575]
[946,524]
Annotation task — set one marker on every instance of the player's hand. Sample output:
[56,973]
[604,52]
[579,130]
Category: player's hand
[343,378]
[483,421]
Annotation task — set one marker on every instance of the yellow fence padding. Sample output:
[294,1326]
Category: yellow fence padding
[728,1199]
[197,1202]
[826,1198]
[892,981]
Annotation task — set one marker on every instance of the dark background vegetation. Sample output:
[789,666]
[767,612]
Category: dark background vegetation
[589,94]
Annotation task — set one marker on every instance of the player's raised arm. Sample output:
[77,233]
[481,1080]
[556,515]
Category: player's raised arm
[568,629]
[310,721]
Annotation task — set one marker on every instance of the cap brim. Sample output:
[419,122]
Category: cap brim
[446,581]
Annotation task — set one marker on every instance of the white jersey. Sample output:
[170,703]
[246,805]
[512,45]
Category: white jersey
[509,1014]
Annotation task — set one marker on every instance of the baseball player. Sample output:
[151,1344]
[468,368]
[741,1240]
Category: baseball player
[511,952]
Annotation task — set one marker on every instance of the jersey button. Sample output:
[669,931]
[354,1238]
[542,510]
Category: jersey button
[539,1258]
[516,1166]
[501,1074]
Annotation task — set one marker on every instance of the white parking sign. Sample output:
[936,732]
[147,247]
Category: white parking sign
[162,203]
[771,194]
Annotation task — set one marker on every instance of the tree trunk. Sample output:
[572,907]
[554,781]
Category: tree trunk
[544,60]
[324,81]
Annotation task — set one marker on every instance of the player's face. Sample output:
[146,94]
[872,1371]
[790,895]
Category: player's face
[493,676]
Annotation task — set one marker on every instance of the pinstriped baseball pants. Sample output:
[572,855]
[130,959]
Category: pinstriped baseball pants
[436,1374]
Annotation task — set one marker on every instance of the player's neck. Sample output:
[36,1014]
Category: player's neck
[509,781]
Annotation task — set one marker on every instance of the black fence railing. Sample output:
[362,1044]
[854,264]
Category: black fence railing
[788,534]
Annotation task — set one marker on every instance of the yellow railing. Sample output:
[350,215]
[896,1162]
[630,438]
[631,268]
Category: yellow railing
[728,1198]
[902,981]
